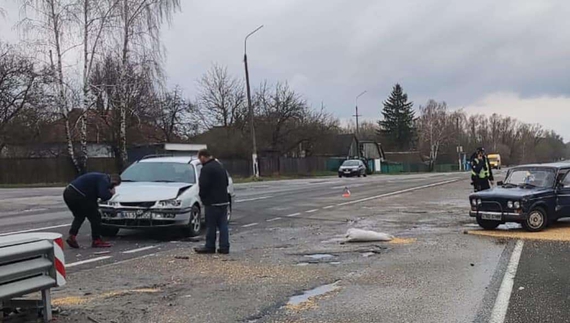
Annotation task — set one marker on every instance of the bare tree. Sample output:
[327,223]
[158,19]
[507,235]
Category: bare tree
[19,88]
[139,41]
[221,98]
[435,128]
[51,22]
[175,117]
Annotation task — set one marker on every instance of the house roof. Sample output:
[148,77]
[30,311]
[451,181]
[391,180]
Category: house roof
[335,145]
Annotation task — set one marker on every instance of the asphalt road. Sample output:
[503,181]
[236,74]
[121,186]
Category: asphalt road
[257,204]
[530,285]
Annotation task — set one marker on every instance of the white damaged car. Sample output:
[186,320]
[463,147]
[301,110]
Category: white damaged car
[158,192]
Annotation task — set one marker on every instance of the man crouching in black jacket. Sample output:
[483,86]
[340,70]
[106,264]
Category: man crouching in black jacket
[213,184]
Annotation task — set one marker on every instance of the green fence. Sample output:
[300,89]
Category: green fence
[395,168]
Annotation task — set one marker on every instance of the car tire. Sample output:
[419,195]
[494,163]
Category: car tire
[339,176]
[488,224]
[194,226]
[536,221]
[109,232]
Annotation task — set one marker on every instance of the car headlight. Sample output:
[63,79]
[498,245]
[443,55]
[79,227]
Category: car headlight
[517,205]
[510,204]
[474,202]
[479,202]
[170,203]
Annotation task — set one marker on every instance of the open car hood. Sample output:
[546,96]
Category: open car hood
[148,191]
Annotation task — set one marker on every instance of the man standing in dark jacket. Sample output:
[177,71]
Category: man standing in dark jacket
[213,185]
[81,197]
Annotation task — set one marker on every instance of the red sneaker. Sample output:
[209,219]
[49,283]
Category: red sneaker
[72,242]
[98,243]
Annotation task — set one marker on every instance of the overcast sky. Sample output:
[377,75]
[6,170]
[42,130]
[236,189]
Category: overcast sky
[510,56]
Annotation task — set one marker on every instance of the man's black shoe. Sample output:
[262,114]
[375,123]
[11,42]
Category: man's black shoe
[204,250]
[224,251]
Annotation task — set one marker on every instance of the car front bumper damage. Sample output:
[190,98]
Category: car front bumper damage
[138,218]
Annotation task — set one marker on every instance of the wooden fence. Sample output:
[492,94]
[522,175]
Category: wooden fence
[61,170]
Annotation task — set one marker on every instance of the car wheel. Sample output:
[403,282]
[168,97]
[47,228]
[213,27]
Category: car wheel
[488,224]
[536,221]
[194,226]
[109,232]
[339,176]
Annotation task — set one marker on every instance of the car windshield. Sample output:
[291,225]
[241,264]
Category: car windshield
[165,172]
[351,163]
[534,177]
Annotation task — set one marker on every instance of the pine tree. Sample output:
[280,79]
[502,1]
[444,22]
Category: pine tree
[397,126]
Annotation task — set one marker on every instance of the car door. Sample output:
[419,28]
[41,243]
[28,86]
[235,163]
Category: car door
[563,195]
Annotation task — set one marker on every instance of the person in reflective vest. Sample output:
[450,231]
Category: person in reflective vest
[481,173]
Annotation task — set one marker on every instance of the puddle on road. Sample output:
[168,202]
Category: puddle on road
[307,295]
[319,256]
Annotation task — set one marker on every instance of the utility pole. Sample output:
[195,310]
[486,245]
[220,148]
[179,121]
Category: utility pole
[251,116]
[358,115]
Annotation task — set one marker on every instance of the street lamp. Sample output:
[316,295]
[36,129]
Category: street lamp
[357,115]
[254,152]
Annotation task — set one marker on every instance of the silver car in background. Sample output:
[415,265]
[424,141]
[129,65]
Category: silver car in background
[158,192]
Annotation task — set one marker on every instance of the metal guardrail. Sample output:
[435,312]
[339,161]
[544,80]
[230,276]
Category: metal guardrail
[30,263]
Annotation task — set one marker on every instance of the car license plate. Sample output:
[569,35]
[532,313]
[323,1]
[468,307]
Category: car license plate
[128,215]
[488,216]
[347,171]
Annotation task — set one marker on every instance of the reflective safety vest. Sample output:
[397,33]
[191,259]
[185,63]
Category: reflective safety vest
[484,173]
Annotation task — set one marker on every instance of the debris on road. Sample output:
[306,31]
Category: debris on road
[182,257]
[359,235]
[306,300]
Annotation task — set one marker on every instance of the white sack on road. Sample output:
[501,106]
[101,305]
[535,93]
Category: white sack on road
[359,235]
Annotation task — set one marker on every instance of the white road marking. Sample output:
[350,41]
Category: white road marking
[312,211]
[398,192]
[328,207]
[502,302]
[88,261]
[249,225]
[254,199]
[292,215]
[37,229]
[274,219]
[139,249]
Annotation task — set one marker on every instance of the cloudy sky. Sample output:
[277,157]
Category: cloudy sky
[510,56]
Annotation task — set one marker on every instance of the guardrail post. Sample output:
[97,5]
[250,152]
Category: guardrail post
[46,299]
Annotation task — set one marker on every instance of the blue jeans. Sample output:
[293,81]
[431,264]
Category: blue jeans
[217,219]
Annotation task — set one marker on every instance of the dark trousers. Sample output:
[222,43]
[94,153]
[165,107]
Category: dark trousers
[217,219]
[82,208]
[482,184]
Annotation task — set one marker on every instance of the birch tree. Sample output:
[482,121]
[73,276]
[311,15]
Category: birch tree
[51,22]
[434,128]
[139,23]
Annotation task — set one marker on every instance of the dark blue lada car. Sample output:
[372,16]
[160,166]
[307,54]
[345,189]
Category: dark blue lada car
[532,195]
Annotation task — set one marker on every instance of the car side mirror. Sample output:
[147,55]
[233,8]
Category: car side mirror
[500,183]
